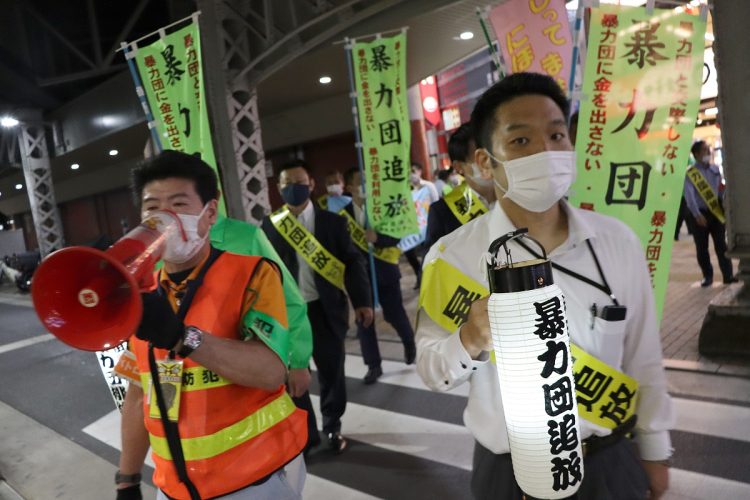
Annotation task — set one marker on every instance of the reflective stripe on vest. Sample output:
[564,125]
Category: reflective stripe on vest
[308,247]
[357,232]
[464,203]
[707,194]
[199,448]
[446,295]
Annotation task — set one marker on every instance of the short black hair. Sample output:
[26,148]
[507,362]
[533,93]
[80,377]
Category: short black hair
[510,87]
[444,173]
[170,163]
[294,163]
[458,144]
[349,175]
[696,148]
[417,165]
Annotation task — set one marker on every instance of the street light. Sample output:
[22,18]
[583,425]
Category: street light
[8,121]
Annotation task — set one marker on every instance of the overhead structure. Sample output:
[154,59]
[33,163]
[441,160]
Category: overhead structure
[244,42]
[38,174]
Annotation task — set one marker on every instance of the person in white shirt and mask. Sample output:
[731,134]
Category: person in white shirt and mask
[523,148]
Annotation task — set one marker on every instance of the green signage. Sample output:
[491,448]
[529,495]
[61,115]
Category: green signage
[641,93]
[380,78]
[172,78]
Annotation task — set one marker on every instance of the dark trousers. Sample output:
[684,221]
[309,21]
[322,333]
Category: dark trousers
[717,231]
[612,473]
[328,353]
[393,313]
[413,258]
[683,215]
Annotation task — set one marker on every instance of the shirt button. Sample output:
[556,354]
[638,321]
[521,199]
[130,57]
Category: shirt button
[447,383]
[463,365]
[474,368]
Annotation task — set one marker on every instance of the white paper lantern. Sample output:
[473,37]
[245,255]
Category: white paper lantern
[532,351]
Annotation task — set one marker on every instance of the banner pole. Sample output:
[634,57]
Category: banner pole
[574,60]
[348,45]
[493,53]
[129,56]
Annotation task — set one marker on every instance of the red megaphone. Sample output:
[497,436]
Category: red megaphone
[90,299]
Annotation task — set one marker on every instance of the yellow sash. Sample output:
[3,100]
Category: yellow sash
[605,395]
[357,232]
[323,202]
[708,195]
[305,244]
[464,203]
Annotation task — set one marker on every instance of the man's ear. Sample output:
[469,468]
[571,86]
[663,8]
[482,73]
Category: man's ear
[484,161]
[312,184]
[213,210]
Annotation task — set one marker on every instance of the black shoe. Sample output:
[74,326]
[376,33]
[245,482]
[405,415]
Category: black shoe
[336,442]
[731,280]
[410,353]
[707,282]
[311,443]
[373,374]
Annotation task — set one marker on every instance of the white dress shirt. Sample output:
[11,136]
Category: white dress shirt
[306,277]
[632,346]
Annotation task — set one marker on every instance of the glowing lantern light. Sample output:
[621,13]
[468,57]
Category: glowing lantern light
[531,345]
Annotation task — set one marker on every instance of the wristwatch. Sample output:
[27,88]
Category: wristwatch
[121,478]
[191,340]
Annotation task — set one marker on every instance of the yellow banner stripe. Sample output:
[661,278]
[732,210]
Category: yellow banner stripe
[320,260]
[200,448]
[606,396]
[708,195]
[357,232]
[464,203]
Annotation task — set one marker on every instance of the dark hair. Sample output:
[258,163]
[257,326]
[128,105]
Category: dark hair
[444,174]
[458,144]
[349,175]
[294,163]
[417,165]
[696,147]
[171,163]
[510,87]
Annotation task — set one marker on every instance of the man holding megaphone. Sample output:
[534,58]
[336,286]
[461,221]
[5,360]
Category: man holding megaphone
[214,334]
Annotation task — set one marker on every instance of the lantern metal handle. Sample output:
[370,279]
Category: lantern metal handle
[507,238]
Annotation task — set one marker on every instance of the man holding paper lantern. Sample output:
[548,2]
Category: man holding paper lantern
[523,148]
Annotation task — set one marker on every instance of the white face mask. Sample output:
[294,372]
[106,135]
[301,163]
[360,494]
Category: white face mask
[706,159]
[537,182]
[335,189]
[183,245]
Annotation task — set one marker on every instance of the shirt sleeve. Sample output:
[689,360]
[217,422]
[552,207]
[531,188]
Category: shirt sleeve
[642,359]
[442,361]
[264,310]
[300,331]
[690,197]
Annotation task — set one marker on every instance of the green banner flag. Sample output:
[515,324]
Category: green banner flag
[172,77]
[642,86]
[380,79]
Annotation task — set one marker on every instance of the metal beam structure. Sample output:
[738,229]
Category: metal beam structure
[726,327]
[244,42]
[38,174]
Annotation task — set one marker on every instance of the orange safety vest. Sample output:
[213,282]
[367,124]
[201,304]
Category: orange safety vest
[231,436]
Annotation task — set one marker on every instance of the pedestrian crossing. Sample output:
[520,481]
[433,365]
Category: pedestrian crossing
[409,442]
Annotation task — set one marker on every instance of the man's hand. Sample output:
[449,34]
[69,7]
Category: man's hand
[298,382]
[475,333]
[658,478]
[132,492]
[364,316]
[159,324]
[371,235]
[701,221]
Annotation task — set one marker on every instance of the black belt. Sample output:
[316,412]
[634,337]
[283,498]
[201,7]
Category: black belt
[596,443]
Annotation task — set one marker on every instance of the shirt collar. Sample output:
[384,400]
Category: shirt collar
[579,229]
[166,282]
[218,229]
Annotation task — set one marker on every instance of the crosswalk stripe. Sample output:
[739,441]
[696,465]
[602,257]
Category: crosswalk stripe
[25,343]
[687,485]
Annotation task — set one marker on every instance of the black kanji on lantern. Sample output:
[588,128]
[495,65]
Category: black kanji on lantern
[174,72]
[563,435]
[554,351]
[566,471]
[631,179]
[458,306]
[550,321]
[558,397]
[380,61]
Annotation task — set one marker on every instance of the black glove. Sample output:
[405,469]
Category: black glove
[159,324]
[130,493]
